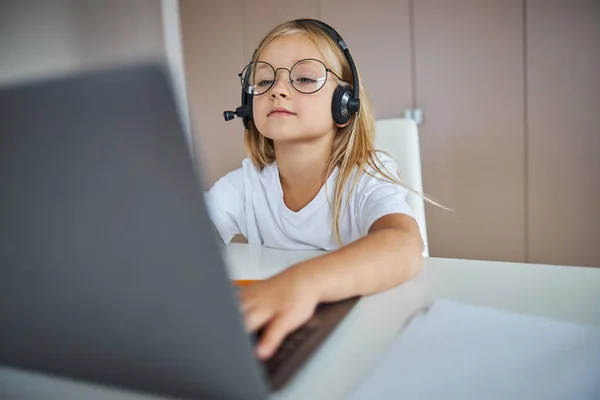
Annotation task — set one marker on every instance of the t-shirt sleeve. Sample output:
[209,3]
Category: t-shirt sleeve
[226,206]
[377,197]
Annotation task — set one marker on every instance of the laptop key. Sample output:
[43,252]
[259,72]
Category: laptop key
[299,345]
[289,345]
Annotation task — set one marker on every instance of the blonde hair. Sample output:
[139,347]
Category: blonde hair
[353,145]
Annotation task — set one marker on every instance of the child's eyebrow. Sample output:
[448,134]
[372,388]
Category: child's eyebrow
[293,61]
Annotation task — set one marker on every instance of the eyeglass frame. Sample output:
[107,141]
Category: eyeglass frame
[275,71]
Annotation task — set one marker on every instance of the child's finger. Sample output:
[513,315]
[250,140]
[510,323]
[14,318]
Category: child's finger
[274,335]
[247,299]
[255,318]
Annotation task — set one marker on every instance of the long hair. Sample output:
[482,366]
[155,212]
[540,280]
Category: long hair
[353,145]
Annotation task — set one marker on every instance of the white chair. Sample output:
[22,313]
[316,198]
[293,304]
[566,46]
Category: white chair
[399,137]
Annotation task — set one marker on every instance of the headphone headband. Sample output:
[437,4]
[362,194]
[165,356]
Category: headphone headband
[340,41]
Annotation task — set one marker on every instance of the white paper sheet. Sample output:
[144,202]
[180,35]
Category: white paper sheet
[457,351]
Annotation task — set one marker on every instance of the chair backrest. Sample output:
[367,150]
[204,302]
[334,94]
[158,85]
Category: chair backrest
[399,137]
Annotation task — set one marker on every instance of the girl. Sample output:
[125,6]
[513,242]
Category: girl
[312,183]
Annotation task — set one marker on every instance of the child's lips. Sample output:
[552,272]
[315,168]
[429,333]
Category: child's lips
[281,114]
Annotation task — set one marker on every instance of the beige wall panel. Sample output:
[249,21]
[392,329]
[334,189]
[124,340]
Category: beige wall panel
[563,63]
[378,36]
[469,74]
[212,33]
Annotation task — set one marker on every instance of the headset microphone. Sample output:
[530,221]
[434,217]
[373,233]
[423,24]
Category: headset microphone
[243,111]
[228,115]
[240,112]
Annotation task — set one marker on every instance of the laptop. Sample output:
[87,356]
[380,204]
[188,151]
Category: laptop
[110,271]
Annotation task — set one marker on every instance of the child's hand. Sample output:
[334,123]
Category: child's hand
[280,305]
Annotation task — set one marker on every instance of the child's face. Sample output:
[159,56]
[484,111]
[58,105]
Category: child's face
[310,116]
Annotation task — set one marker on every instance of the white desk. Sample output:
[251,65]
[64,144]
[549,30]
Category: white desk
[563,293]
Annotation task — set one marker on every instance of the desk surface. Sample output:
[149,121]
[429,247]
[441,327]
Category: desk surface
[558,292]
[566,293]
[562,293]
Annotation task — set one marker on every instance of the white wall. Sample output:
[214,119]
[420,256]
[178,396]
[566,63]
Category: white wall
[41,38]
[174,54]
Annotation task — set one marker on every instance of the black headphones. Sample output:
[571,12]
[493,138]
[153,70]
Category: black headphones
[344,102]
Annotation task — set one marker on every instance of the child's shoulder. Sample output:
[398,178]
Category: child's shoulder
[248,169]
[248,174]
[251,170]
[381,164]
[376,175]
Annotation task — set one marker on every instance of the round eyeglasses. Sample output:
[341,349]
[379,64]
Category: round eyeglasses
[306,76]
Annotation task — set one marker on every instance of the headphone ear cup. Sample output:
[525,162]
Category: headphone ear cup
[339,104]
[247,100]
[249,113]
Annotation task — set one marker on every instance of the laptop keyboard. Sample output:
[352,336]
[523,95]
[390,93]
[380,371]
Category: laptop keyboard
[288,347]
[300,344]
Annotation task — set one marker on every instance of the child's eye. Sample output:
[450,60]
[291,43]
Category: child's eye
[306,80]
[264,83]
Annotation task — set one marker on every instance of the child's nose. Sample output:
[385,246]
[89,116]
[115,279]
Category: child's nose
[282,85]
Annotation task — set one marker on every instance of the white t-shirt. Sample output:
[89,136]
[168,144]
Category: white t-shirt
[250,202]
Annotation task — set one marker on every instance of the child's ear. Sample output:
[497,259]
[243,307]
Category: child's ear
[345,124]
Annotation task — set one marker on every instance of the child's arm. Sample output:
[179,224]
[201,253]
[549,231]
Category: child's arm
[389,255]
